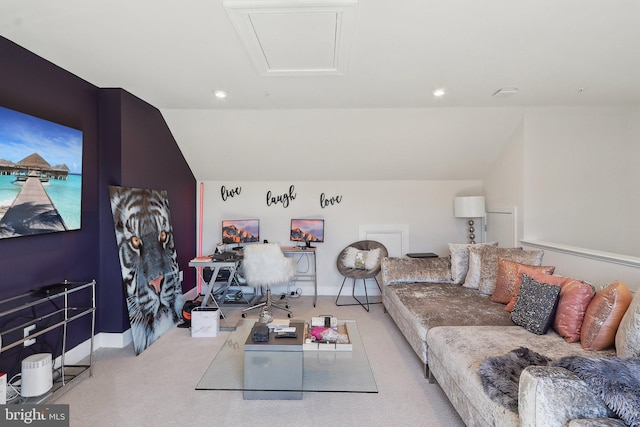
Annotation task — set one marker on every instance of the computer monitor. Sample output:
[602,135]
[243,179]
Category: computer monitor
[307,230]
[240,231]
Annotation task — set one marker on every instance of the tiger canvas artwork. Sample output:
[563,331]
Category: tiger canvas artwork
[150,272]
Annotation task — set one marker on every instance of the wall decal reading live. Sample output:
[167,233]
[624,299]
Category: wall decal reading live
[285,198]
[226,193]
[324,202]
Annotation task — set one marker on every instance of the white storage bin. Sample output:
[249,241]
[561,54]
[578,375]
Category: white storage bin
[205,322]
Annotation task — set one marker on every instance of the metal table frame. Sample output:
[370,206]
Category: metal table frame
[216,266]
[301,276]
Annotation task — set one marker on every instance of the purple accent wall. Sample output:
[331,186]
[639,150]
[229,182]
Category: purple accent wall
[125,142]
[136,140]
[34,86]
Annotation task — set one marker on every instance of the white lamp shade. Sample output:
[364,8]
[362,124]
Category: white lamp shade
[469,207]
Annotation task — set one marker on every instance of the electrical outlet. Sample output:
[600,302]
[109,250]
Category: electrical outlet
[27,332]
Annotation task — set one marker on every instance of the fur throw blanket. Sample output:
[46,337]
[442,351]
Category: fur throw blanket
[500,375]
[615,380]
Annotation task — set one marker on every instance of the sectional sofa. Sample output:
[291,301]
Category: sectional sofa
[453,312]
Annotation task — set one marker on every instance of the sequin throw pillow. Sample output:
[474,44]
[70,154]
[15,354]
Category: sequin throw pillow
[535,305]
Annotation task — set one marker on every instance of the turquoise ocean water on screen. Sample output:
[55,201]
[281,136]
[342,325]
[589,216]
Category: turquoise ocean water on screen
[65,195]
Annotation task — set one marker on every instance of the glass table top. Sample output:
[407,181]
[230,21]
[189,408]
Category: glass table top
[323,371]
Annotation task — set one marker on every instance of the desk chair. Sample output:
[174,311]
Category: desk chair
[264,266]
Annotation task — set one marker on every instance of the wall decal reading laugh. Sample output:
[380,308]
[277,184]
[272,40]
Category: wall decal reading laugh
[285,198]
[226,193]
[324,202]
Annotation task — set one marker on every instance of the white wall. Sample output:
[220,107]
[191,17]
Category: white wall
[555,159]
[570,174]
[426,207]
[582,178]
[504,184]
[593,271]
[341,144]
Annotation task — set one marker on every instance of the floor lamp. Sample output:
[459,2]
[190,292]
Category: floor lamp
[470,207]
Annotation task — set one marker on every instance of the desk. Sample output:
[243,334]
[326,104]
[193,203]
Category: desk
[304,276]
[216,266]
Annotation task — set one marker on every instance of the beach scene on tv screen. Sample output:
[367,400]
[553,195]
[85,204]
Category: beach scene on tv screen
[40,175]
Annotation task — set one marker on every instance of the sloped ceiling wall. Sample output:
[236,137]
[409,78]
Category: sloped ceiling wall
[342,144]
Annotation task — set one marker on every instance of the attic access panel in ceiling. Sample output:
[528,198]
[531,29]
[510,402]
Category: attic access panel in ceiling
[295,37]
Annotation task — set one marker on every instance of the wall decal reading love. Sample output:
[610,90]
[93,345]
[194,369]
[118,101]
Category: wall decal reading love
[324,201]
[227,193]
[285,198]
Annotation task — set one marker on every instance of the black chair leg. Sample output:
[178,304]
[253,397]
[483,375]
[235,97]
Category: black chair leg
[366,296]
[339,292]
[365,304]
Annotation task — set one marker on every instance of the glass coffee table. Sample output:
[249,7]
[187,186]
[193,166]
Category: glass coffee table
[322,370]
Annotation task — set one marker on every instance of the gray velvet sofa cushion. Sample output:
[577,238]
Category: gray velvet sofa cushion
[456,352]
[553,396]
[418,307]
[411,270]
[444,304]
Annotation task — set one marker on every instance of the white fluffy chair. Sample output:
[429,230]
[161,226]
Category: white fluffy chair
[265,265]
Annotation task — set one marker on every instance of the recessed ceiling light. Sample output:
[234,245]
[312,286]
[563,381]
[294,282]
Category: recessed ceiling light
[440,92]
[220,94]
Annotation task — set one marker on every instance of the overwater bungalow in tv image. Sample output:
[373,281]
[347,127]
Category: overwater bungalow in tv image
[33,166]
[32,210]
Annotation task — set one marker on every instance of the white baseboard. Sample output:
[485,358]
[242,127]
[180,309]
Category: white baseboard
[101,340]
[106,340]
[113,340]
[75,355]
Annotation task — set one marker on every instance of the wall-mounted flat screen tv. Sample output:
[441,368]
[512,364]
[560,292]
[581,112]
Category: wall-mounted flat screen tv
[40,175]
[307,230]
[240,231]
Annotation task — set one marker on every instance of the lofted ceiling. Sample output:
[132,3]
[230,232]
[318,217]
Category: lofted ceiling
[325,60]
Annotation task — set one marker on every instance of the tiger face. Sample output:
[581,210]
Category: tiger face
[148,260]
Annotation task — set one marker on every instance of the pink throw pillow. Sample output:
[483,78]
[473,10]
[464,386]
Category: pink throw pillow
[508,278]
[537,276]
[575,297]
[603,316]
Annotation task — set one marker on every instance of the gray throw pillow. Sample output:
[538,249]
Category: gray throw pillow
[472,279]
[628,334]
[536,305]
[460,260]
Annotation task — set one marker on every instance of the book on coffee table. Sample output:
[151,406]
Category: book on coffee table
[278,323]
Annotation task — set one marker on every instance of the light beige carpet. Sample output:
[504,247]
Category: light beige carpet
[157,388]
